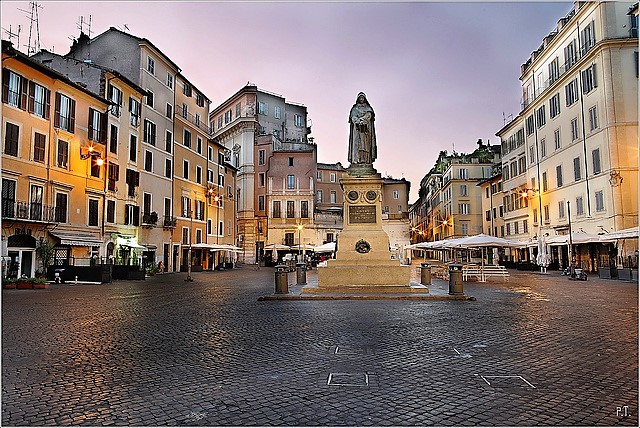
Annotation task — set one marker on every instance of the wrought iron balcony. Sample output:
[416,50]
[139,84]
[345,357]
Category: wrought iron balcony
[169,222]
[31,211]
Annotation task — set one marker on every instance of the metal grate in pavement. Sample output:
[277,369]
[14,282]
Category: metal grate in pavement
[348,379]
[510,381]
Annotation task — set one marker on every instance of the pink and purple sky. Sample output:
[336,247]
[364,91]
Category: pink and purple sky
[439,76]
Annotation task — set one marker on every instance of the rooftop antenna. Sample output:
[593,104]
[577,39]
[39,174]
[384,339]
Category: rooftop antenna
[33,17]
[11,35]
[80,25]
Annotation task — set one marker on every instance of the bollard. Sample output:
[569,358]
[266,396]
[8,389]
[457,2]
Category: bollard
[425,273]
[455,279]
[282,280]
[301,273]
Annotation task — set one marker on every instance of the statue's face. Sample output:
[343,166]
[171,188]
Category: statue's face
[361,99]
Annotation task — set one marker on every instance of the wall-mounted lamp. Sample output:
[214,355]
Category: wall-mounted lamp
[525,192]
[93,154]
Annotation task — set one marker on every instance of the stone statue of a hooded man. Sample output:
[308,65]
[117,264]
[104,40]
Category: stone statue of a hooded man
[362,134]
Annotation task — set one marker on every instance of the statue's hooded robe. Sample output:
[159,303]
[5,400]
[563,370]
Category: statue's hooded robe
[362,136]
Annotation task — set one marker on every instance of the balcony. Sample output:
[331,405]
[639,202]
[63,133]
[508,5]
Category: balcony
[169,222]
[149,219]
[30,211]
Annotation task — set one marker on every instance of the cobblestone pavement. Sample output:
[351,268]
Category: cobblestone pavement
[534,351]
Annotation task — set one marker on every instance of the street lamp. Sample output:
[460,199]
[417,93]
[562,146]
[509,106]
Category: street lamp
[299,242]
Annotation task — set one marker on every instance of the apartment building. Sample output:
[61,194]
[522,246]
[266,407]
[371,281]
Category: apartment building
[395,211]
[329,201]
[237,123]
[576,137]
[120,217]
[53,171]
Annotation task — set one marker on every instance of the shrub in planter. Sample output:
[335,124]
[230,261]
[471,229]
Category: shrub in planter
[9,283]
[40,283]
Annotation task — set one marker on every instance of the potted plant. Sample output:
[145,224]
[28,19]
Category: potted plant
[9,283]
[40,283]
[24,283]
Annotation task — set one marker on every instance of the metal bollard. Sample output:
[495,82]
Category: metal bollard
[301,273]
[455,279]
[282,280]
[425,273]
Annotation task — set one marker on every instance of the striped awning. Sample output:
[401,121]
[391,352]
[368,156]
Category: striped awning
[78,239]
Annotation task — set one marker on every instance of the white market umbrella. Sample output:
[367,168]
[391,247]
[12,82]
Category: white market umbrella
[329,247]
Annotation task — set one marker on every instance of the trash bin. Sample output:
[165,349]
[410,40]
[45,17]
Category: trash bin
[425,273]
[282,280]
[301,273]
[455,279]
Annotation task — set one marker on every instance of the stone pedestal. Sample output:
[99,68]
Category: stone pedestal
[363,260]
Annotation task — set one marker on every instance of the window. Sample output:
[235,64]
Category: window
[185,169]
[599,201]
[543,148]
[132,215]
[319,196]
[167,168]
[525,226]
[93,212]
[588,37]
[319,175]
[221,180]
[290,161]
[554,105]
[63,154]
[291,209]
[209,227]
[541,116]
[261,157]
[577,173]
[198,174]
[589,79]
[95,168]
[546,213]
[187,89]
[463,174]
[276,112]
[199,144]
[332,177]
[522,166]
[487,215]
[11,139]
[187,138]
[276,209]
[463,192]
[185,110]
[530,125]
[463,208]
[133,148]
[198,236]
[465,228]
[298,120]
[595,156]
[263,108]
[97,128]
[185,235]
[261,179]
[532,154]
[113,139]
[593,118]
[113,175]
[133,180]
[559,175]
[220,121]
[111,211]
[199,100]
[149,132]
[556,138]
[148,161]
[560,209]
[261,203]
[508,228]
[134,112]
[14,89]
[149,98]
[239,111]
[554,70]
[39,145]
[169,112]
[544,181]
[515,228]
[170,80]
[291,181]
[579,206]
[304,209]
[168,141]
[535,216]
[151,65]
[570,54]
[575,134]
[571,92]
[209,175]
[61,207]
[65,113]
[39,100]
[332,197]
[35,209]
[186,206]
[115,96]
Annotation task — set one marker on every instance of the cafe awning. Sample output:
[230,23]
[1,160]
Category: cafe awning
[78,239]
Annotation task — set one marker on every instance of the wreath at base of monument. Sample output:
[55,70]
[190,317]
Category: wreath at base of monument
[363,246]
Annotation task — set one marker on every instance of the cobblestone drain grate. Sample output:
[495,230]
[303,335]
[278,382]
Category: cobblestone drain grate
[511,381]
[348,379]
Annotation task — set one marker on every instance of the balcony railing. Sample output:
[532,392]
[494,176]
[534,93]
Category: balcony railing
[169,222]
[23,210]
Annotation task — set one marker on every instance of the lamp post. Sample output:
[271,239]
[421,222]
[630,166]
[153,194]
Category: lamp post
[299,242]
[188,278]
[572,266]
